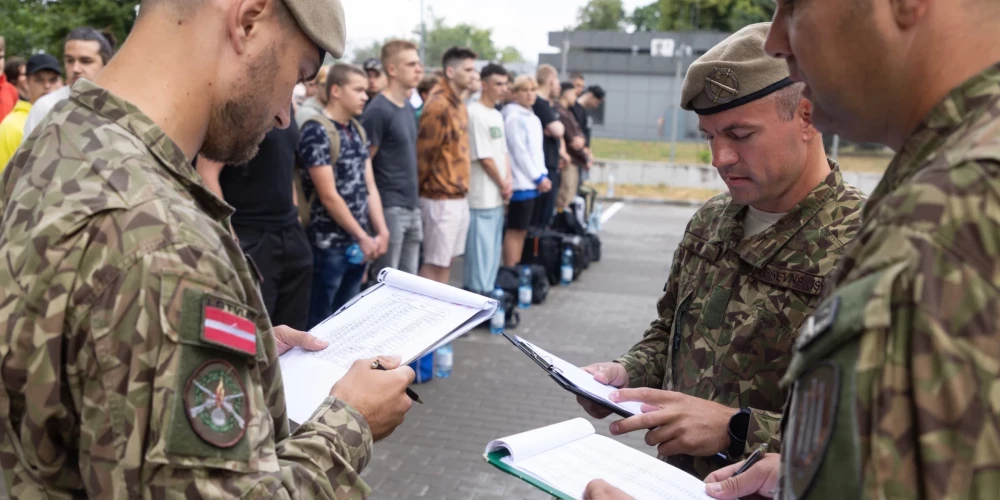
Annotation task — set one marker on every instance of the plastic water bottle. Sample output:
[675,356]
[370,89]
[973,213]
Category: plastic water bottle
[566,270]
[611,186]
[444,358]
[524,288]
[594,225]
[354,254]
[497,322]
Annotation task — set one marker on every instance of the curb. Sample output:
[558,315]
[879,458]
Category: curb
[653,201]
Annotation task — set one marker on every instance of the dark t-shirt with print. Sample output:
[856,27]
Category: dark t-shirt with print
[550,145]
[314,152]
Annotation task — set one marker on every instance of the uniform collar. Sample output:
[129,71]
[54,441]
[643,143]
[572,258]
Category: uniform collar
[758,250]
[111,107]
[959,109]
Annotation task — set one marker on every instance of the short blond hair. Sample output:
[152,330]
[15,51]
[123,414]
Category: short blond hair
[392,48]
[523,82]
[545,73]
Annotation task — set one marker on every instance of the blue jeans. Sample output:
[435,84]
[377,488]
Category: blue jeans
[482,249]
[335,281]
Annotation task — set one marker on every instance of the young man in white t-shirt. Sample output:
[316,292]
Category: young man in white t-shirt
[490,184]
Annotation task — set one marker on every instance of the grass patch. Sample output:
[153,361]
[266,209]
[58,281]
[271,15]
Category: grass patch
[697,153]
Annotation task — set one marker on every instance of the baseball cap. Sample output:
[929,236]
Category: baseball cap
[735,72]
[373,64]
[41,62]
[323,22]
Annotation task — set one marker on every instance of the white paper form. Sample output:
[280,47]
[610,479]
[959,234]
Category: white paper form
[583,380]
[387,321]
[569,468]
[530,443]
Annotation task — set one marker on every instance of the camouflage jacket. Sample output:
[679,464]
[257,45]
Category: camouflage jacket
[732,305]
[137,357]
[897,376]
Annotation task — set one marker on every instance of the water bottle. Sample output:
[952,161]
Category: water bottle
[497,321]
[611,186]
[444,357]
[566,271]
[354,254]
[524,288]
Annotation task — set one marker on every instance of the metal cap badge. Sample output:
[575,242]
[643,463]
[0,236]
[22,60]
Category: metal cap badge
[722,85]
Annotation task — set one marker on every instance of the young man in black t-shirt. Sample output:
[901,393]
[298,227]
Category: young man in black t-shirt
[591,98]
[267,225]
[548,88]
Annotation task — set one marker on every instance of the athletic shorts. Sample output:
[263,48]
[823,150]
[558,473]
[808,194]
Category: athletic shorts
[446,226]
[519,214]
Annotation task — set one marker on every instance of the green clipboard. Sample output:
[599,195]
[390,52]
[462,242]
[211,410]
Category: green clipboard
[494,459]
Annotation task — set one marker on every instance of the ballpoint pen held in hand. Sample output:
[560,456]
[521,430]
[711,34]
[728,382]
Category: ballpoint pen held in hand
[409,392]
[754,458]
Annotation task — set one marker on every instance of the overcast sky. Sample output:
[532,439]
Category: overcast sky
[525,24]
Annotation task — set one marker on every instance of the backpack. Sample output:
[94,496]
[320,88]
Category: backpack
[305,203]
[543,247]
[539,284]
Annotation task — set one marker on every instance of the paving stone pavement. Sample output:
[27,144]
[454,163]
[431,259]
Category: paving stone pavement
[495,391]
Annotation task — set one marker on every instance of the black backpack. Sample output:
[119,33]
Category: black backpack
[592,243]
[539,284]
[543,248]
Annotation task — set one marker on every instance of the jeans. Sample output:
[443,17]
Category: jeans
[482,249]
[405,235]
[336,281]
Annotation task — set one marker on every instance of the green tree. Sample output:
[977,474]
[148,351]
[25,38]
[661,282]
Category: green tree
[719,15]
[441,37]
[601,15]
[645,18]
[32,26]
[373,49]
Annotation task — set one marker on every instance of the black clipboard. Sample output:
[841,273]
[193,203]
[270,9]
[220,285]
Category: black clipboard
[555,374]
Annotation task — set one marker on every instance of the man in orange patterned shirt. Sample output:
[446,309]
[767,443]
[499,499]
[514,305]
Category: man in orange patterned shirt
[443,166]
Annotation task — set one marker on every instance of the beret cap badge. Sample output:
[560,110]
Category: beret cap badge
[722,85]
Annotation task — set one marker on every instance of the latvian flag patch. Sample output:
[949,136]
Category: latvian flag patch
[226,329]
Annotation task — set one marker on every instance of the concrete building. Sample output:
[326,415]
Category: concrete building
[639,73]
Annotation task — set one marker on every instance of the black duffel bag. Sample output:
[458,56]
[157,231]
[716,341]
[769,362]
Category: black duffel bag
[543,248]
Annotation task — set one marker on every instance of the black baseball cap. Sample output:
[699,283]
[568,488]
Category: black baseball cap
[373,64]
[41,62]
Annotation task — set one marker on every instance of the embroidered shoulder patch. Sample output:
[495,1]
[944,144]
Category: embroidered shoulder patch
[229,326]
[785,278]
[820,321]
[216,404]
[814,410]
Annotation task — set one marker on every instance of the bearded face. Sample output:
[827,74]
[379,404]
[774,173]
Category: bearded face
[237,126]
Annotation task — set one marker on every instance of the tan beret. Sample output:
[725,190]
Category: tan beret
[323,22]
[733,73]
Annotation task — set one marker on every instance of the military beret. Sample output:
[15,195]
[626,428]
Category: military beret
[323,22]
[733,73]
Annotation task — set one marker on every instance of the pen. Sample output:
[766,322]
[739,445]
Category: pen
[754,458]
[409,392]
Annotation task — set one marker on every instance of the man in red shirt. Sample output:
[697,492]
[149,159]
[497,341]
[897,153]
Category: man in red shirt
[8,92]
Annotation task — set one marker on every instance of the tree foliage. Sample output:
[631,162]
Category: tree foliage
[718,15]
[32,26]
[441,36]
[645,18]
[601,15]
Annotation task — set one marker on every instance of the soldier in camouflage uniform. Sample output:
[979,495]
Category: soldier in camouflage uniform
[136,355]
[895,382]
[749,269]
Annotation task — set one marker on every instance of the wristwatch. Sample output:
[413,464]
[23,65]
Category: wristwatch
[738,426]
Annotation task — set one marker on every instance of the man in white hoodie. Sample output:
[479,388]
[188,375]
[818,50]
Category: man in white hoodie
[524,143]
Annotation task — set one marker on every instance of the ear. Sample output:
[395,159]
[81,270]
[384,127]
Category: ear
[245,20]
[909,12]
[804,113]
[449,72]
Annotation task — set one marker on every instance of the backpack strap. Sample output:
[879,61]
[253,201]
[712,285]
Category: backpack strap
[333,135]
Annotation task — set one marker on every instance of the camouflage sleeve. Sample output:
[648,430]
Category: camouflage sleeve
[648,361]
[764,428]
[191,416]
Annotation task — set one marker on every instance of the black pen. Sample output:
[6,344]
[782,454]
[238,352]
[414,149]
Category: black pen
[409,392]
[754,458]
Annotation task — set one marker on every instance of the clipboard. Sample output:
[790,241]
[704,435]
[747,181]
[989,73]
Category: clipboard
[557,376]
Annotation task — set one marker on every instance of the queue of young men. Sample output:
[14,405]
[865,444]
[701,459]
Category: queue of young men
[887,382]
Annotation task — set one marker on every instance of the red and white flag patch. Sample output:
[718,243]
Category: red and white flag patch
[229,330]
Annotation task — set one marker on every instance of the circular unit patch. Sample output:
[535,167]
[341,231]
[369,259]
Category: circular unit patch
[216,404]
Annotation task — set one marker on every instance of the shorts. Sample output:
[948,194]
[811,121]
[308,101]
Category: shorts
[519,214]
[446,226]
